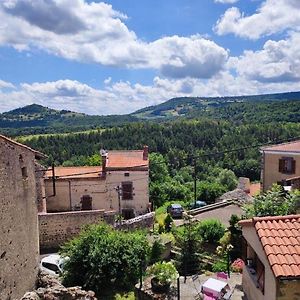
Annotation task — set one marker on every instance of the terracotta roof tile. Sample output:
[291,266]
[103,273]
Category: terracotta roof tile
[126,159]
[286,147]
[75,172]
[280,238]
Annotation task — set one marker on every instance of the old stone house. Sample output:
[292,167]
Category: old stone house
[280,164]
[272,257]
[19,243]
[92,188]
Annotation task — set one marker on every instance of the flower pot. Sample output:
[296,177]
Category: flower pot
[158,287]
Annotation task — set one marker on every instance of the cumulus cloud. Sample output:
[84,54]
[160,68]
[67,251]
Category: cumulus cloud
[278,61]
[226,1]
[124,97]
[6,85]
[272,16]
[96,33]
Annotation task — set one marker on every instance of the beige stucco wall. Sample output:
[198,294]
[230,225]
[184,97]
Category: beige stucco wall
[270,171]
[19,245]
[249,286]
[103,192]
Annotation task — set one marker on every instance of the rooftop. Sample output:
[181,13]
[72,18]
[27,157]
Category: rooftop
[286,147]
[75,172]
[280,238]
[126,159]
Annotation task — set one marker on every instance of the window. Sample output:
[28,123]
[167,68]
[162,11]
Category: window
[260,271]
[127,190]
[287,165]
[126,174]
[128,213]
[86,202]
[24,172]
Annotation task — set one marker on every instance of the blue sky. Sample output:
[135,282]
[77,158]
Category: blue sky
[117,56]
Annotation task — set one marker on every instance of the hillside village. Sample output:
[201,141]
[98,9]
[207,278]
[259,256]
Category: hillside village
[149,150]
[41,209]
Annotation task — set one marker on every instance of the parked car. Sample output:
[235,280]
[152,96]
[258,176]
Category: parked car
[197,204]
[53,264]
[175,210]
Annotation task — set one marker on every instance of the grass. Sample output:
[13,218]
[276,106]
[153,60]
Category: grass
[24,138]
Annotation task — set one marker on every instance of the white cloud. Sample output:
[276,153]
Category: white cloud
[96,33]
[124,97]
[278,61]
[226,1]
[6,85]
[272,16]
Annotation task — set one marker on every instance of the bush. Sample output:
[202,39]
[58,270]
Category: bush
[102,257]
[211,230]
[156,251]
[220,266]
[164,272]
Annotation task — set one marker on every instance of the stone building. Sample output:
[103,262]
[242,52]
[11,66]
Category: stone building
[19,244]
[94,188]
[280,164]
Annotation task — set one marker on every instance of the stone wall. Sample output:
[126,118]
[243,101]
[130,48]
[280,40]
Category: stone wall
[19,246]
[144,221]
[58,228]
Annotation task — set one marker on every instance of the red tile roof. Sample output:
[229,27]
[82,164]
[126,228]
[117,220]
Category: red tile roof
[75,172]
[280,238]
[126,159]
[286,147]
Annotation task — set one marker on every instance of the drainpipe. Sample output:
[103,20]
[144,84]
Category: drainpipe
[70,194]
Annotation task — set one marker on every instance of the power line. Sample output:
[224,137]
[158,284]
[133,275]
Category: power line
[195,157]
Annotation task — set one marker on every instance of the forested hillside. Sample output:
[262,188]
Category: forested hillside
[176,145]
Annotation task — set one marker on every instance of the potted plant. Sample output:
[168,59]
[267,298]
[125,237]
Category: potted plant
[163,274]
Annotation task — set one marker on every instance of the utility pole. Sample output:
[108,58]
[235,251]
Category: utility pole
[119,191]
[195,183]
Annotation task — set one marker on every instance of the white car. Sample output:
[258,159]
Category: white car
[53,264]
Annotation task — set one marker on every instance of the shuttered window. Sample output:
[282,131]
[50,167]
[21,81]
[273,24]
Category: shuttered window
[127,190]
[287,165]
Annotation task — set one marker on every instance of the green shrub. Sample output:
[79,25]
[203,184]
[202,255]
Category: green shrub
[102,257]
[168,223]
[211,230]
[156,251]
[165,272]
[220,266]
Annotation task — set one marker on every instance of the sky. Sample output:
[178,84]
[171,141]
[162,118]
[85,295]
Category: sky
[118,56]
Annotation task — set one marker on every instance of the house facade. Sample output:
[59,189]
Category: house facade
[280,164]
[272,258]
[19,242]
[121,184]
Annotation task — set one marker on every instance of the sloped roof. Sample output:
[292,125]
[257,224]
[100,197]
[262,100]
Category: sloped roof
[238,195]
[38,154]
[280,238]
[75,172]
[126,159]
[286,147]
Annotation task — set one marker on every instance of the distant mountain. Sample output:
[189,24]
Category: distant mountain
[40,117]
[187,106]
[37,119]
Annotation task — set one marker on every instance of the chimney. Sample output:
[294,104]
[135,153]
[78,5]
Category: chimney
[104,158]
[145,153]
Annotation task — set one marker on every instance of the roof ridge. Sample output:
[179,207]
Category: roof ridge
[281,144]
[273,218]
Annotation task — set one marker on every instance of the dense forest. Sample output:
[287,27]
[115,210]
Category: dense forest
[176,148]
[190,139]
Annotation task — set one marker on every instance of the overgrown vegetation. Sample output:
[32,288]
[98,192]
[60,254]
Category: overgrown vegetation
[275,202]
[101,258]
